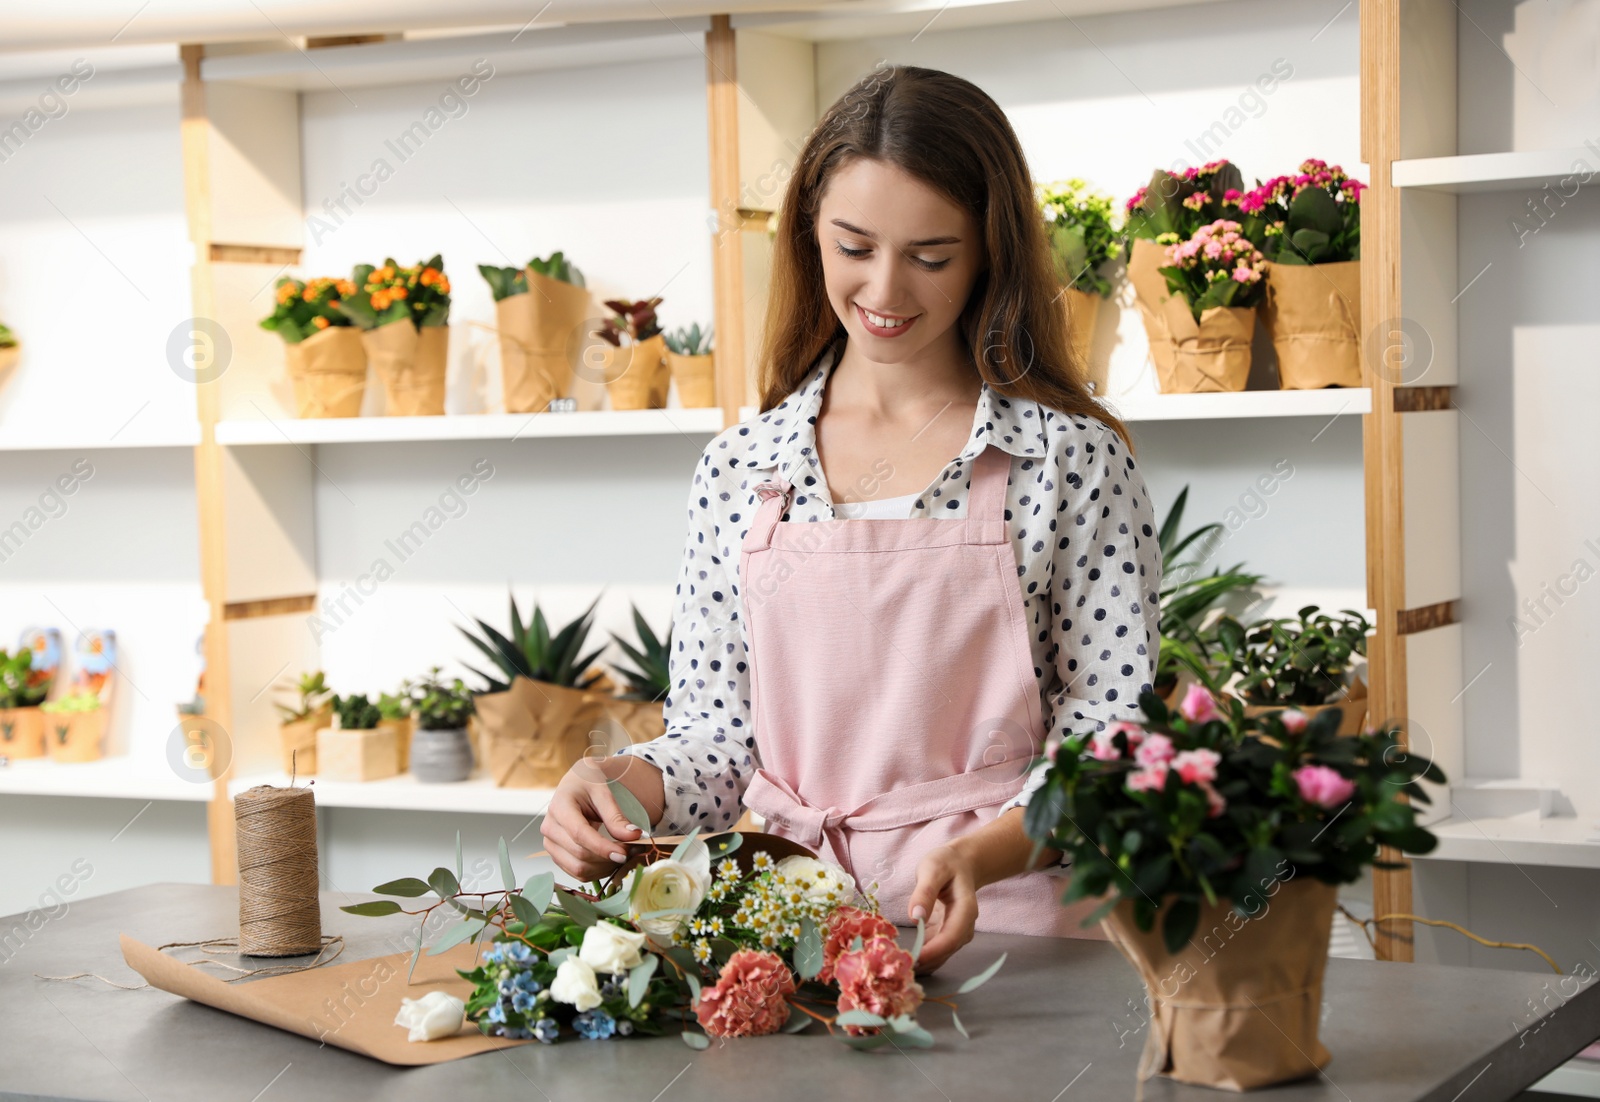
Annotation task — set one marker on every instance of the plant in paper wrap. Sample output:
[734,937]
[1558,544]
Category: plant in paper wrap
[690,937]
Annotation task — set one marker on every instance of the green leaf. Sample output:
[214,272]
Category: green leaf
[1183,915]
[916,946]
[408,886]
[615,904]
[507,877]
[797,1023]
[866,1043]
[457,934]
[629,805]
[981,978]
[526,912]
[537,890]
[808,949]
[916,1037]
[860,1017]
[696,1040]
[375,909]
[955,1020]
[416,954]
[579,910]
[444,884]
[683,847]
[639,977]
[459,873]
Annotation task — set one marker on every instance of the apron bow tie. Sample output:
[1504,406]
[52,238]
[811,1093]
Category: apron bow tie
[806,821]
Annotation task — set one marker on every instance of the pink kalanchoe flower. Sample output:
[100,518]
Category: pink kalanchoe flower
[748,998]
[1198,705]
[876,978]
[1196,766]
[1322,786]
[1294,720]
[1152,777]
[1154,750]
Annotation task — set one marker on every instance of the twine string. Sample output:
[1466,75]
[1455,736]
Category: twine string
[219,945]
[280,914]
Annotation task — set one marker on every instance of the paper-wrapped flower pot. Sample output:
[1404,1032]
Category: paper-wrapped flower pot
[1082,309]
[22,733]
[1352,708]
[329,370]
[533,732]
[1209,355]
[1312,312]
[696,377]
[643,720]
[1150,293]
[1238,1007]
[633,379]
[411,364]
[558,309]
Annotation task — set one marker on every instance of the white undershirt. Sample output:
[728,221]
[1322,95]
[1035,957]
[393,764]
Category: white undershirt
[893,508]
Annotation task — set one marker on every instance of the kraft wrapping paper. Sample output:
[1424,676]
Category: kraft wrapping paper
[329,370]
[1313,315]
[411,364]
[1082,309]
[638,375]
[1212,354]
[535,731]
[1352,709]
[696,377]
[1150,293]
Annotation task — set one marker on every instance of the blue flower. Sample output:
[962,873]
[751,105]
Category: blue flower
[611,989]
[518,952]
[496,953]
[508,986]
[524,981]
[594,1025]
[547,1030]
[497,1013]
[522,1002]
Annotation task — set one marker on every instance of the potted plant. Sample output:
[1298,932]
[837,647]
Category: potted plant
[638,709]
[1176,204]
[397,715]
[10,350]
[1079,225]
[538,309]
[1303,663]
[22,733]
[323,351]
[1216,282]
[539,706]
[404,318]
[297,736]
[441,750]
[637,378]
[1312,241]
[356,749]
[75,727]
[692,365]
[1217,839]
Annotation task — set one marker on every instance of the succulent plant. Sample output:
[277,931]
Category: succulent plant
[356,713]
[441,706]
[398,705]
[530,651]
[559,267]
[504,282]
[650,677]
[689,340]
[637,320]
[313,691]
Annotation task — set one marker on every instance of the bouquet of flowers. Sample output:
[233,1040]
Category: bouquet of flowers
[719,933]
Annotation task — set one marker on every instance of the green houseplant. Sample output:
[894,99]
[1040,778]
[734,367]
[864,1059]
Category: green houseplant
[1080,225]
[638,377]
[1217,838]
[638,709]
[325,358]
[395,711]
[22,727]
[357,749]
[1302,662]
[538,308]
[441,750]
[691,362]
[1188,599]
[539,705]
[1216,282]
[310,710]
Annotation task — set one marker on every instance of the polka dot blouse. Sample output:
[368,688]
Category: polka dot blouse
[1088,562]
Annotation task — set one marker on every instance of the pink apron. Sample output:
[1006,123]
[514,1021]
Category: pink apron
[893,694]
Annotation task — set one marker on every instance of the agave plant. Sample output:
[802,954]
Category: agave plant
[1187,640]
[688,340]
[530,651]
[649,679]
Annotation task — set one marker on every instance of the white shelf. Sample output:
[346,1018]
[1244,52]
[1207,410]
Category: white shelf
[478,794]
[481,426]
[447,57]
[1558,841]
[45,436]
[1245,404]
[117,778]
[1490,171]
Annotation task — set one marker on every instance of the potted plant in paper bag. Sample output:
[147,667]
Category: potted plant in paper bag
[538,308]
[737,935]
[322,350]
[538,708]
[301,720]
[1218,840]
[1083,239]
[639,709]
[441,750]
[637,376]
[1216,282]
[1312,241]
[22,726]
[1304,663]
[692,365]
[404,318]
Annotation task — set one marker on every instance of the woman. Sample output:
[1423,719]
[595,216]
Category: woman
[977,568]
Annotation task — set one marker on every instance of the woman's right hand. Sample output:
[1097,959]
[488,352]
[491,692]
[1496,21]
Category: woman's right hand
[583,801]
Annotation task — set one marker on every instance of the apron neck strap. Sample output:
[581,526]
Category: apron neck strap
[990,473]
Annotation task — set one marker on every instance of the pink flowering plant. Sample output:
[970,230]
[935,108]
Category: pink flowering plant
[1312,217]
[1180,203]
[1216,266]
[694,937]
[1204,803]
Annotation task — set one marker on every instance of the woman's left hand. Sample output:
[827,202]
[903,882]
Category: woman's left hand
[945,874]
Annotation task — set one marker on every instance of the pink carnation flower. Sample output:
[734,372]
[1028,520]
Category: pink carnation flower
[748,998]
[1322,786]
[1101,748]
[1198,706]
[876,978]
[1154,750]
[1151,778]
[844,926]
[1196,766]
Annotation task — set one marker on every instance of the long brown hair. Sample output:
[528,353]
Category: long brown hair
[948,133]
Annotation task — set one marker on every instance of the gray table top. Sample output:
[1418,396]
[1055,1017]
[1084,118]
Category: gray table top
[1061,1020]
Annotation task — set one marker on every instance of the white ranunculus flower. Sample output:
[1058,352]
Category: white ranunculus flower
[610,948]
[668,884]
[818,877]
[575,984]
[437,1014]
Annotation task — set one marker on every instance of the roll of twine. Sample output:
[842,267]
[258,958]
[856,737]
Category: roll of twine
[279,911]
